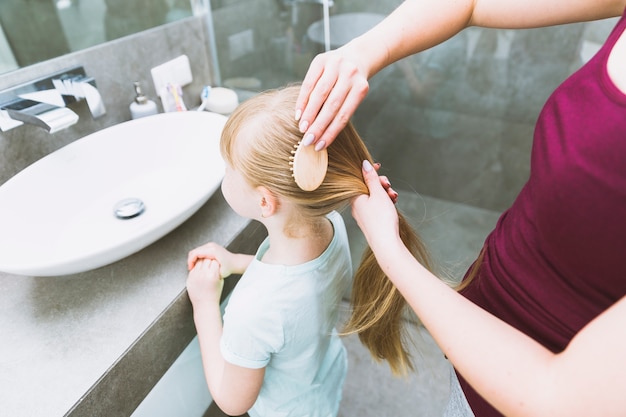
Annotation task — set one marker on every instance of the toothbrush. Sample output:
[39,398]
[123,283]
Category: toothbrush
[206,91]
[176,92]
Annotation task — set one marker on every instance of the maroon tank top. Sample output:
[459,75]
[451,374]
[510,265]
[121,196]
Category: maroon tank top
[557,257]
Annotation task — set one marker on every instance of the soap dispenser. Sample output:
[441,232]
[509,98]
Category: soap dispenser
[142,106]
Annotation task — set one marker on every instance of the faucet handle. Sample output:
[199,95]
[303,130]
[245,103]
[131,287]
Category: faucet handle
[47,116]
[82,87]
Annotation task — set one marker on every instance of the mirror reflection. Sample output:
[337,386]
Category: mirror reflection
[32,31]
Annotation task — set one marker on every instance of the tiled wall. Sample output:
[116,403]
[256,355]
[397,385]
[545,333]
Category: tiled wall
[114,65]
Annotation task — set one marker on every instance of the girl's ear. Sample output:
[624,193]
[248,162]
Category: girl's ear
[268,202]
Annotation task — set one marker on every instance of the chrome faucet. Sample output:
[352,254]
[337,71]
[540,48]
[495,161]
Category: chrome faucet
[48,116]
[43,102]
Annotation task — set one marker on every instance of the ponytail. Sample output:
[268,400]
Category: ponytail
[378,308]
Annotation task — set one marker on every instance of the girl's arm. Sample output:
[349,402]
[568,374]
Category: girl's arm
[514,373]
[233,388]
[337,81]
[230,263]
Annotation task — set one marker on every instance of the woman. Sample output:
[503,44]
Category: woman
[538,329]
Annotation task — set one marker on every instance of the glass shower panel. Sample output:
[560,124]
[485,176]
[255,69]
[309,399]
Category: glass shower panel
[268,43]
[453,122]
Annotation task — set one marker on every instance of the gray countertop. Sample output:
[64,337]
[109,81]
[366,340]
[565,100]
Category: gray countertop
[95,343]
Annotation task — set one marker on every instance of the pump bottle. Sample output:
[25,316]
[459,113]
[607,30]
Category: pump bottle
[142,106]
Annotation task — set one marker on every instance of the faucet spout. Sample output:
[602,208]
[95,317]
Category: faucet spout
[47,116]
[43,102]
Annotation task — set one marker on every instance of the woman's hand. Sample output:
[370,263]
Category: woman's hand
[386,184]
[204,283]
[375,213]
[332,89]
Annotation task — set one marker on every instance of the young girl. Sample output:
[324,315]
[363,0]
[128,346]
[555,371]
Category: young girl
[277,353]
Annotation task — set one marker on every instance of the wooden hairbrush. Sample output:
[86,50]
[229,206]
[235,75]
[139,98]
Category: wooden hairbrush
[309,166]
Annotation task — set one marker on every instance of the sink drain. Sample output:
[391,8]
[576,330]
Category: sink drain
[129,208]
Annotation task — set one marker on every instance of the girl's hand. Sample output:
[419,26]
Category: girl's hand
[376,214]
[211,250]
[204,284]
[332,89]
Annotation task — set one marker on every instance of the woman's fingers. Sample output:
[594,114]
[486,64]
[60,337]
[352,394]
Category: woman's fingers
[331,91]
[338,109]
[375,213]
[315,89]
[316,68]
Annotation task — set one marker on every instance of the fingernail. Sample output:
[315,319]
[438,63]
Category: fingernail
[298,114]
[308,139]
[367,166]
[320,145]
[303,126]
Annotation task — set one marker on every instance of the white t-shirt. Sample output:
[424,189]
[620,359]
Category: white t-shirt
[283,318]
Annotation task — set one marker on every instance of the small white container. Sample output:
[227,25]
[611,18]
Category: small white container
[222,100]
[142,106]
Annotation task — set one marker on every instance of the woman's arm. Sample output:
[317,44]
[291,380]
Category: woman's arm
[337,81]
[233,388]
[514,373]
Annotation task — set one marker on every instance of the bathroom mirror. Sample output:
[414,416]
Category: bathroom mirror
[32,31]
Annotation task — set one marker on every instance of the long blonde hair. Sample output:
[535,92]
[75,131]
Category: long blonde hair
[257,141]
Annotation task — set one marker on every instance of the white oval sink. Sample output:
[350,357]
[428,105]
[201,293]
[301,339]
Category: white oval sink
[58,216]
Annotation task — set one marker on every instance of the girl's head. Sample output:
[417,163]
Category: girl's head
[256,144]
[258,141]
